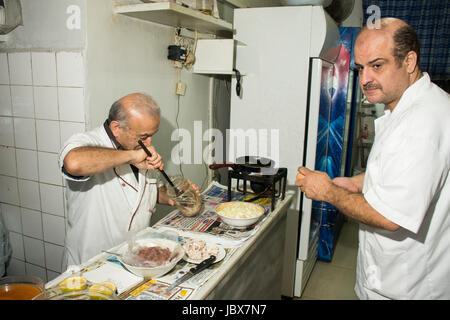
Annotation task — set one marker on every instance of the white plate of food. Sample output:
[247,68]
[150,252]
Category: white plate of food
[195,251]
[239,213]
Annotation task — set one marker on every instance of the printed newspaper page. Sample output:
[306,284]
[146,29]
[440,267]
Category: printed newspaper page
[209,222]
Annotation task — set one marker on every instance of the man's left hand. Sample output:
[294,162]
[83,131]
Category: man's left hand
[315,184]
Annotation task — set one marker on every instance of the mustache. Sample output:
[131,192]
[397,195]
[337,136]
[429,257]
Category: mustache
[371,85]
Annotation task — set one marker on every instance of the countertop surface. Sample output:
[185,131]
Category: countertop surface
[202,290]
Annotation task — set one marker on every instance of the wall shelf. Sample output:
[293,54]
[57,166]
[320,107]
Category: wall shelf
[175,15]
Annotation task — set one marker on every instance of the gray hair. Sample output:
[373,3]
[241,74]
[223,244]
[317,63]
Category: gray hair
[141,101]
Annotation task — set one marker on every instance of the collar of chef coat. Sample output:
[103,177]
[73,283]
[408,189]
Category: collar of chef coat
[118,145]
[404,103]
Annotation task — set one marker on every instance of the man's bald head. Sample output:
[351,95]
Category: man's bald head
[133,104]
[404,38]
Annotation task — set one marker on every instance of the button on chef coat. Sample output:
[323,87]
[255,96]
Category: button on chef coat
[407,181]
[102,207]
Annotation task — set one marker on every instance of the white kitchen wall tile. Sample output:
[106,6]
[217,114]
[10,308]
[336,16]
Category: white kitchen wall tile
[54,229]
[68,129]
[25,133]
[4,72]
[47,132]
[44,68]
[49,171]
[29,194]
[16,267]
[27,165]
[46,103]
[12,217]
[8,161]
[16,241]
[5,101]
[22,101]
[34,251]
[71,104]
[70,69]
[53,256]
[52,199]
[9,191]
[6,131]
[38,271]
[20,68]
[51,275]
[32,223]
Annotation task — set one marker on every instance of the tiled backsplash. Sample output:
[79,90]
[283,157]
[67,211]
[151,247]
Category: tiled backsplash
[41,105]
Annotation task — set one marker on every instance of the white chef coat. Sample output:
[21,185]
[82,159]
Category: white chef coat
[102,208]
[407,181]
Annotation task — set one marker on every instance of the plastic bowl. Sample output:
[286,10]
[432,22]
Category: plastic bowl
[24,287]
[240,222]
[158,271]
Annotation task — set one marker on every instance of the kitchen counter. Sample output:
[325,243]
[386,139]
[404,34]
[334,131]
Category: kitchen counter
[254,270]
[251,270]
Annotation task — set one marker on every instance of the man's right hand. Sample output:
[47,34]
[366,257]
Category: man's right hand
[141,160]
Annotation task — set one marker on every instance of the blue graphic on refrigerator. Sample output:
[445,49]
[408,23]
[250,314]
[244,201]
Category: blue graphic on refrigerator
[330,153]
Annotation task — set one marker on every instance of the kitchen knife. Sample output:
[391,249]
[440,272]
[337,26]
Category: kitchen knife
[193,271]
[177,192]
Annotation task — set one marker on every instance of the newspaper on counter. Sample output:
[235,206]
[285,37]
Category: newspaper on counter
[209,222]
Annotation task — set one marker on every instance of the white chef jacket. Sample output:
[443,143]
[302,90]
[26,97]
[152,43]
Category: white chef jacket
[102,208]
[407,181]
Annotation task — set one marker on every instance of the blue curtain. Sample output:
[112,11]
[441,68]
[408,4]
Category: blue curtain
[431,20]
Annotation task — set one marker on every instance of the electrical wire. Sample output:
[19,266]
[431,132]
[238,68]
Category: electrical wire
[178,129]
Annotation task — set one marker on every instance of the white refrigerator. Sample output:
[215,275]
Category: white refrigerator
[285,59]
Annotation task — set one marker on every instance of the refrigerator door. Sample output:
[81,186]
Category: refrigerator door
[316,147]
[268,118]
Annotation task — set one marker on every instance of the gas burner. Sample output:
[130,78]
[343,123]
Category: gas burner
[263,186]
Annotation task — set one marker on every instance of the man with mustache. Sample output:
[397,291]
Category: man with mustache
[402,201]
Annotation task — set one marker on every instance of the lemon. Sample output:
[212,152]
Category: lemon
[73,284]
[99,290]
[105,287]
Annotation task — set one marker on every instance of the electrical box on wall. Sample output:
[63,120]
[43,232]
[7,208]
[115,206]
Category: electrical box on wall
[214,56]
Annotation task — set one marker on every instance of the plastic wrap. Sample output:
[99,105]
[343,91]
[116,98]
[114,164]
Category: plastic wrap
[152,249]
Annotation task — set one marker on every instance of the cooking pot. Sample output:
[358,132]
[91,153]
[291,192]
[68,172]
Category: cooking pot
[247,164]
[250,164]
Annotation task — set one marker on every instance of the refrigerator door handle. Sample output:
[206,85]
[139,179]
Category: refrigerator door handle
[317,81]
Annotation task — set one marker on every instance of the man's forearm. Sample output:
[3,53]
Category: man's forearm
[355,206]
[358,180]
[86,161]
